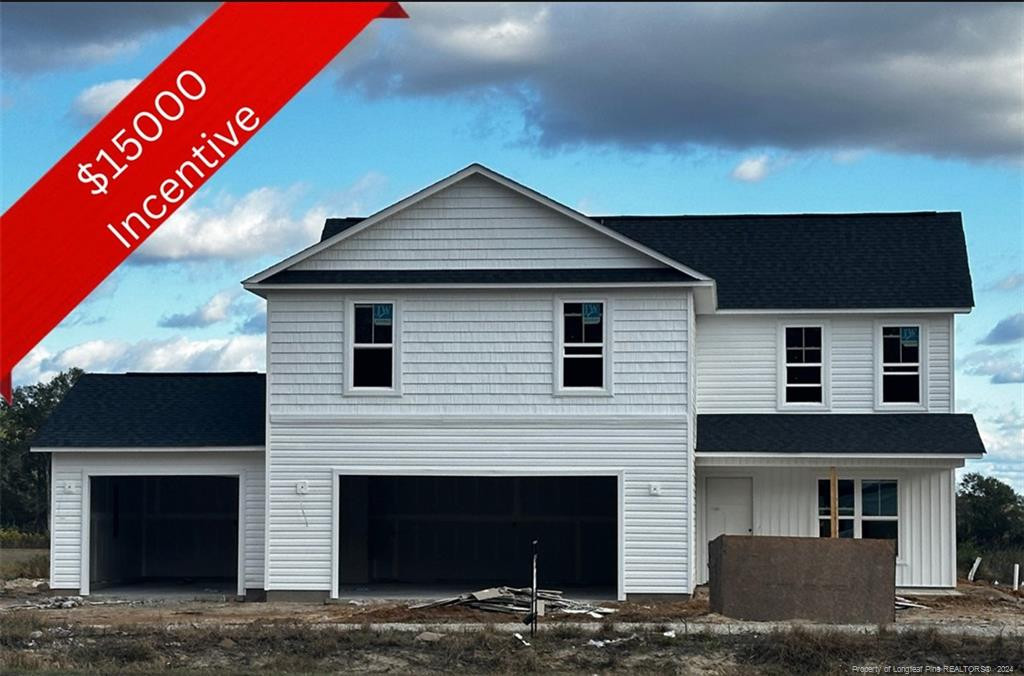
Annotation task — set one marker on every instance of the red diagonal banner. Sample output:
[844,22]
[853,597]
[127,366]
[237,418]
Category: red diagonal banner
[154,150]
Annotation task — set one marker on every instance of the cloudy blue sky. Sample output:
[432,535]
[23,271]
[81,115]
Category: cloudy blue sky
[607,108]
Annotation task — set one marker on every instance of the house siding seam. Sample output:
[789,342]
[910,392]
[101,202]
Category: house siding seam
[69,470]
[737,362]
[476,224]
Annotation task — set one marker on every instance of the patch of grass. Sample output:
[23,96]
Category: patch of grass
[116,651]
[23,563]
[16,627]
[13,538]
[996,565]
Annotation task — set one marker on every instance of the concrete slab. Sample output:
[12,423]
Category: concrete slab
[419,592]
[169,590]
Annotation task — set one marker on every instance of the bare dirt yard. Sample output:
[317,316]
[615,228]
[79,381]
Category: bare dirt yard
[984,627]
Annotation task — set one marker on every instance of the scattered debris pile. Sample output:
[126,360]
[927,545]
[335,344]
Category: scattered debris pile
[65,602]
[516,600]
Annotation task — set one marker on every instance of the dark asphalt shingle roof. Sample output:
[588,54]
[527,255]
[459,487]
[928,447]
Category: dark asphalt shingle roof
[159,409]
[801,261]
[839,434]
[493,276]
[827,261]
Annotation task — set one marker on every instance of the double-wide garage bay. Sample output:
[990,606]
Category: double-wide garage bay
[478,530]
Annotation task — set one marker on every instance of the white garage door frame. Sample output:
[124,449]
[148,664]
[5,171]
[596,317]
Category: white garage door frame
[338,472]
[86,526]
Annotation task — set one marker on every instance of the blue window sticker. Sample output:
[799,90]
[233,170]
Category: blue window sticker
[909,336]
[591,313]
[382,313]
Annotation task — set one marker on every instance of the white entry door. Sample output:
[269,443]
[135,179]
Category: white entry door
[729,507]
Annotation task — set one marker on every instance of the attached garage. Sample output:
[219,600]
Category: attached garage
[477,531]
[157,481]
[164,530]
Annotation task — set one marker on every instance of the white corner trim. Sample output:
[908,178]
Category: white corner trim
[471,170]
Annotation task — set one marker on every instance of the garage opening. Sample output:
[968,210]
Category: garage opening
[167,532]
[477,531]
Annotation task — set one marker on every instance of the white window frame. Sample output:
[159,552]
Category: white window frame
[349,331]
[559,349]
[858,508]
[826,378]
[922,365]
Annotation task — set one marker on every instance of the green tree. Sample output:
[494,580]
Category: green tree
[25,476]
[989,513]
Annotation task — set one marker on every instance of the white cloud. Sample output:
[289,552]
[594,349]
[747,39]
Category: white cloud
[1002,366]
[237,353]
[98,100]
[752,169]
[217,309]
[1008,283]
[261,222]
[848,156]
[1003,434]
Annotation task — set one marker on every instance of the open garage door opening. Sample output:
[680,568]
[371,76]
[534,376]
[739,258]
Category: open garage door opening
[473,532]
[164,532]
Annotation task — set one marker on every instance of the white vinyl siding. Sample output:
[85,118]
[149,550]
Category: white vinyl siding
[70,469]
[785,502]
[477,224]
[477,371]
[654,528]
[487,352]
[738,363]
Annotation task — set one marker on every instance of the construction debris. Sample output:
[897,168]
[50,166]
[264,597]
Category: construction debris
[907,603]
[597,643]
[66,602]
[521,639]
[429,636]
[517,600]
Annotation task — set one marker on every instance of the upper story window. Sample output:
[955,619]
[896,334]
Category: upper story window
[583,345]
[901,365]
[373,346]
[804,365]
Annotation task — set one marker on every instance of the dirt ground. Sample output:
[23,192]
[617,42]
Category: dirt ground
[293,637]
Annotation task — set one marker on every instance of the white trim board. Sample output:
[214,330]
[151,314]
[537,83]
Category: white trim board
[471,170]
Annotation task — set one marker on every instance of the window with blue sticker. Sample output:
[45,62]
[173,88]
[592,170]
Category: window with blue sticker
[372,345]
[901,364]
[583,345]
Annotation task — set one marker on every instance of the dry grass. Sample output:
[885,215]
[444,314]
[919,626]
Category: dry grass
[15,563]
[296,647]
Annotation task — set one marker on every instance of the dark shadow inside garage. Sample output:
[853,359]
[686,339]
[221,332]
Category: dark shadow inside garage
[477,531]
[164,531]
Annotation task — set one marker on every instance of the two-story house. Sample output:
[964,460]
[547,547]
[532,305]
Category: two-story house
[478,366]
